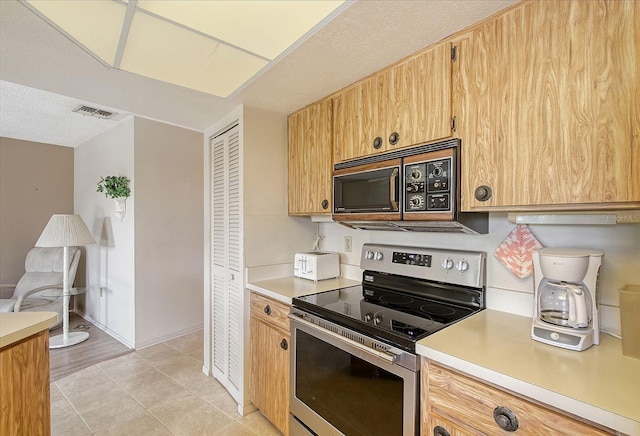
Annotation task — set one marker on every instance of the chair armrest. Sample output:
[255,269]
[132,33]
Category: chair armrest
[16,308]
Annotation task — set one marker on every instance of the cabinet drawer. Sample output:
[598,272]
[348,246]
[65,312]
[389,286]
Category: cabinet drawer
[271,311]
[470,404]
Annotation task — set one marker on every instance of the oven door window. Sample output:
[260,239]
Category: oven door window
[356,397]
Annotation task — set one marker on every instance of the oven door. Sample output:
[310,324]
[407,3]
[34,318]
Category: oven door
[369,191]
[339,386]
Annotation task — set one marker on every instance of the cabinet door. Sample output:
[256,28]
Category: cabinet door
[310,136]
[411,99]
[357,120]
[270,373]
[419,105]
[25,388]
[549,108]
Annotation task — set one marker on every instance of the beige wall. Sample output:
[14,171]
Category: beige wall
[169,240]
[36,181]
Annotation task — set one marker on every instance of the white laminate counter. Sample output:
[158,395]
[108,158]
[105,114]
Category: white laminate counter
[288,288]
[15,326]
[599,384]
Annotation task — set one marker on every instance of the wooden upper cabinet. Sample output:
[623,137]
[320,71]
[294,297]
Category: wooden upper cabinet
[310,159]
[547,99]
[411,99]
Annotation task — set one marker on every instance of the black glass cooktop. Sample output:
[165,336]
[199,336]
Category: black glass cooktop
[396,316]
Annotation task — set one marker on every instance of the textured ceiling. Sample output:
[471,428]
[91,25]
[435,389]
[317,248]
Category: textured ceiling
[364,38]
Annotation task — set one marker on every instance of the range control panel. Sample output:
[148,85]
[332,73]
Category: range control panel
[412,259]
[459,267]
[428,186]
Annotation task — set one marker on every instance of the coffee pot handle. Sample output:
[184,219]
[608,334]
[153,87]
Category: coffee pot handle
[577,307]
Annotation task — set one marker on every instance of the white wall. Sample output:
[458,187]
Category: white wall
[506,292]
[110,273]
[271,236]
[145,274]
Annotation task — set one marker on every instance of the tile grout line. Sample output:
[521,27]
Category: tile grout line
[185,387]
[233,419]
[189,349]
[72,407]
[129,395]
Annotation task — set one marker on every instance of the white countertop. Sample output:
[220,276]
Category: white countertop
[599,384]
[15,326]
[287,288]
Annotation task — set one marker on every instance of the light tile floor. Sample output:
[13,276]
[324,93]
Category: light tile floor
[159,390]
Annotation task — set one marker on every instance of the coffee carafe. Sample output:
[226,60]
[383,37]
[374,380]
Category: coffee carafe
[565,292]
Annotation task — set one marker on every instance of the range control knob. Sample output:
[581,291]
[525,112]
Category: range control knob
[416,174]
[463,265]
[377,320]
[377,255]
[447,263]
[368,317]
[368,255]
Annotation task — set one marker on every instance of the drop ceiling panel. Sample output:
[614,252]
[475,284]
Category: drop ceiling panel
[169,53]
[94,24]
[266,28]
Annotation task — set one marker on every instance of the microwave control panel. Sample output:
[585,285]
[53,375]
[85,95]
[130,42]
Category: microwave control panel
[428,186]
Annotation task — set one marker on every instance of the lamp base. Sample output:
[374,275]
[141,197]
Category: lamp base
[74,338]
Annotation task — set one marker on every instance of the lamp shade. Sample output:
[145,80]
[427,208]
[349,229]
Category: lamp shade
[65,231]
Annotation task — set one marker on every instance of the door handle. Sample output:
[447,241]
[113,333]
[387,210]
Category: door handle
[392,189]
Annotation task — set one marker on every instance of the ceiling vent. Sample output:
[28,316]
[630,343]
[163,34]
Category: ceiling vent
[93,112]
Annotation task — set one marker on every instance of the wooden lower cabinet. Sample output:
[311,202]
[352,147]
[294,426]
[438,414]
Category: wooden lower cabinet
[24,387]
[457,405]
[270,340]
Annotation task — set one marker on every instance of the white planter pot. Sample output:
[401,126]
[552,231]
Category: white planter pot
[121,207]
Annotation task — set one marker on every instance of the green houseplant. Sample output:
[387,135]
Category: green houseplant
[116,187]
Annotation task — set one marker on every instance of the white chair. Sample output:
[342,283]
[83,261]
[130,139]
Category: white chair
[43,274]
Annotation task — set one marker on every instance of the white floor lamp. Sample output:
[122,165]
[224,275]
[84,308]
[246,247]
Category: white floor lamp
[66,231]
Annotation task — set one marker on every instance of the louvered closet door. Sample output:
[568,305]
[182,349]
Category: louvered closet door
[226,255]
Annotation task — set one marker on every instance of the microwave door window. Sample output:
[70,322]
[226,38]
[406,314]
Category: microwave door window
[366,194]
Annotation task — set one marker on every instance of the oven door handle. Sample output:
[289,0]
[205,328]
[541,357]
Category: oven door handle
[389,357]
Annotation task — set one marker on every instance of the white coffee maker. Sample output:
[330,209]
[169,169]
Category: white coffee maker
[566,297]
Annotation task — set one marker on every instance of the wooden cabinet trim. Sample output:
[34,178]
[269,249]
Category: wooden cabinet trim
[25,386]
[469,403]
[279,312]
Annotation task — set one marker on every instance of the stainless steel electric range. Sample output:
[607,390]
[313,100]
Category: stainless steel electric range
[354,369]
